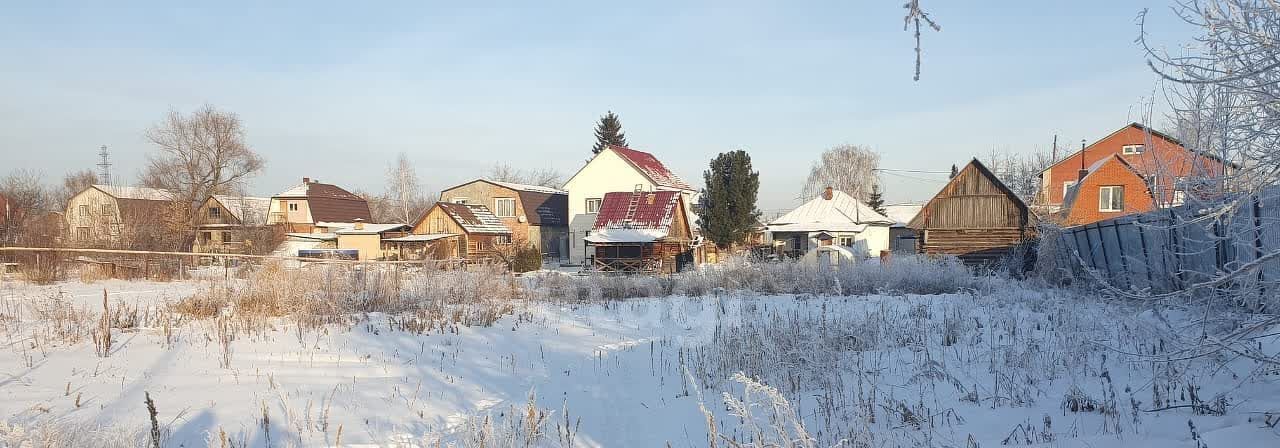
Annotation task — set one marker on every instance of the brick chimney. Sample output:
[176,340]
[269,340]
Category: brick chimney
[827,194]
[359,223]
[306,180]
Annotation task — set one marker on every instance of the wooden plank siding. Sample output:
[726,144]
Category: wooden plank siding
[974,217]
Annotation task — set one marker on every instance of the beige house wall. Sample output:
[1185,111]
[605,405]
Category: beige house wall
[93,216]
[369,246]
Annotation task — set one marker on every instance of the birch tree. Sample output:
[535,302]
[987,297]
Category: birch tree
[848,168]
[404,191]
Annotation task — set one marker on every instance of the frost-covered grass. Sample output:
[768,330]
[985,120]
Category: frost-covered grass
[744,354]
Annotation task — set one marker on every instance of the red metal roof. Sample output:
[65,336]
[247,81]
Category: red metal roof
[651,168]
[653,210]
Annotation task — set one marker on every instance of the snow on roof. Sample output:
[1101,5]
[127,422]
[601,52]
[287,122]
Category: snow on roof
[653,210]
[627,235]
[420,237]
[238,206]
[902,214]
[474,218]
[526,187]
[841,213]
[651,167]
[371,228]
[140,193]
[313,236]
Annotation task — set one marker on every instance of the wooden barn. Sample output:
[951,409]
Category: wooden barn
[642,231]
[975,217]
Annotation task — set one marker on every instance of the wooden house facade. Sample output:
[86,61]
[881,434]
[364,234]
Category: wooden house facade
[975,218]
[233,224]
[536,215]
[464,231]
[642,231]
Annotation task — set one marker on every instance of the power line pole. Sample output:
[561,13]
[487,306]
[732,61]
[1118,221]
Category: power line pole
[104,166]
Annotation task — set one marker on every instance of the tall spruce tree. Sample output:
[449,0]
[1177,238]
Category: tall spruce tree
[728,203]
[876,199]
[609,132]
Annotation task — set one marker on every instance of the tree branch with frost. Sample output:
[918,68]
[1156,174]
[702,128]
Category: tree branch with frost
[914,18]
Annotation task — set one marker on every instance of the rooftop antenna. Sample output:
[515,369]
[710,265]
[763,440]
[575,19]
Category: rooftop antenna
[104,166]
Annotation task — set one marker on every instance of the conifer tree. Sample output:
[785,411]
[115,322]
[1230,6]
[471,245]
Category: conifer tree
[728,203]
[609,132]
[876,199]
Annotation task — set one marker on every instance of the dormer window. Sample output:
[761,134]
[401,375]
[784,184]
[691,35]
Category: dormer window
[1131,149]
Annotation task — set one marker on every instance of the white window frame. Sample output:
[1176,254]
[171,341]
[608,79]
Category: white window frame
[845,239]
[1132,149]
[1109,205]
[498,204]
[215,213]
[84,210]
[292,206]
[106,209]
[459,200]
[1066,187]
[597,201]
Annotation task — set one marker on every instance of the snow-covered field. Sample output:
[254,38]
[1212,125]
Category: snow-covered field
[1003,364]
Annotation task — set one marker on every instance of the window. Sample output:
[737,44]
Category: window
[504,207]
[473,246]
[206,237]
[593,205]
[215,212]
[846,241]
[620,252]
[1066,187]
[293,206]
[226,237]
[1131,149]
[439,227]
[106,209]
[502,239]
[1111,198]
[459,200]
[84,210]
[82,233]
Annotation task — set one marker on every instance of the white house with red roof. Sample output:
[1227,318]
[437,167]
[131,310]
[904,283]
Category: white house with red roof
[615,169]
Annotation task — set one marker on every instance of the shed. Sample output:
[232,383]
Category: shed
[467,231]
[642,232]
[975,217]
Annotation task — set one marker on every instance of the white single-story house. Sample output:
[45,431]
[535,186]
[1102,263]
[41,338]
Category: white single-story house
[832,219]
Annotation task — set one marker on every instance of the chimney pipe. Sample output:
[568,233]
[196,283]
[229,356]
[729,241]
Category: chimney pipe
[1083,171]
[827,194]
[359,223]
[306,180]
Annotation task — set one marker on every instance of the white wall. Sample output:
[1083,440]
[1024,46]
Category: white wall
[606,172]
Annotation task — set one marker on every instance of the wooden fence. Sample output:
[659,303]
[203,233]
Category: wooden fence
[1172,249]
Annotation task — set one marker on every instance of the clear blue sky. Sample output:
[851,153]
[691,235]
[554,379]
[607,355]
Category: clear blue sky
[335,91]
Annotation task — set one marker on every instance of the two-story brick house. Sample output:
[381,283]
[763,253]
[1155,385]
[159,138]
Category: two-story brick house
[536,215]
[615,169]
[1112,188]
[1161,160]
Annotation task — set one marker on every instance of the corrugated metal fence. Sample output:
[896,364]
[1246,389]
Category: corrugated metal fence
[1171,249]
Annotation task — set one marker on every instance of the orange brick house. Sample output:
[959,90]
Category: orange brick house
[1113,188]
[1159,159]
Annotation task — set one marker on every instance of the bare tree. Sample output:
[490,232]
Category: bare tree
[545,177]
[1020,171]
[404,193]
[27,199]
[848,168]
[198,155]
[73,183]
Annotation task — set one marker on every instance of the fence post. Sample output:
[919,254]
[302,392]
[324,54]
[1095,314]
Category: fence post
[1146,254]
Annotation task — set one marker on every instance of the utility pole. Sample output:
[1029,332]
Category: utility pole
[104,166]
